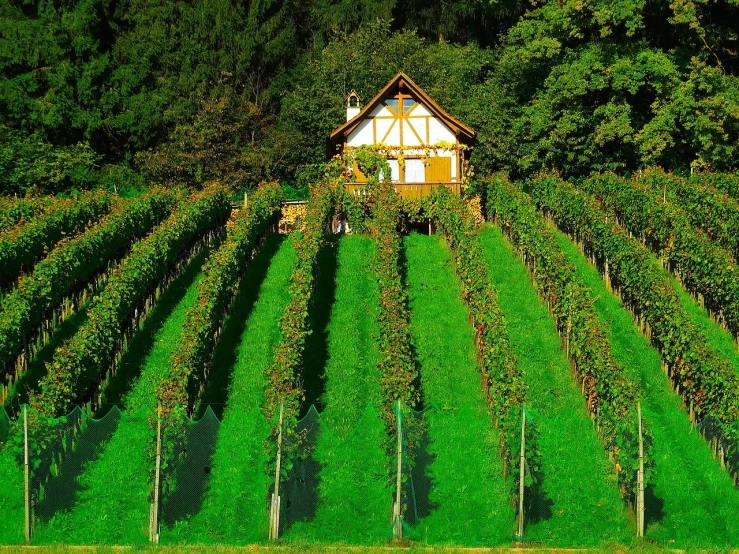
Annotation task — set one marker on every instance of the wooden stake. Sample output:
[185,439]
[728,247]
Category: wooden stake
[522,468]
[397,524]
[274,530]
[154,531]
[27,475]
[640,507]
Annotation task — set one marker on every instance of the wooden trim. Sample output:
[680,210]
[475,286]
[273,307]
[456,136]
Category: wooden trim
[406,190]
[395,120]
[414,131]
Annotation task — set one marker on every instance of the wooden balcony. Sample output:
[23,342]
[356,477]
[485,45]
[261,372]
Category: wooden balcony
[406,190]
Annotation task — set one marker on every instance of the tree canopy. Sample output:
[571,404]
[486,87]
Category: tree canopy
[115,93]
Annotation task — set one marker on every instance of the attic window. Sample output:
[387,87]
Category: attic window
[408,103]
[392,103]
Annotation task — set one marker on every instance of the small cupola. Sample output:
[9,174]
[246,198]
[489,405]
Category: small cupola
[353,106]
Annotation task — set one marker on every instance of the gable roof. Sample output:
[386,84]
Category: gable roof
[464,133]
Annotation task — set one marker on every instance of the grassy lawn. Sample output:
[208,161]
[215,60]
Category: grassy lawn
[354,497]
[308,548]
[468,499]
[234,508]
[113,503]
[692,502]
[579,489]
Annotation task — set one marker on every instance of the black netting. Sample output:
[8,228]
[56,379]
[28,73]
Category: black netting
[299,489]
[216,485]
[76,440]
[187,477]
[416,483]
[53,441]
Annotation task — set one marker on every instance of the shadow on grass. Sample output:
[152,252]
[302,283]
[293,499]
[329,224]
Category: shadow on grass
[225,356]
[132,362]
[316,344]
[653,506]
[28,382]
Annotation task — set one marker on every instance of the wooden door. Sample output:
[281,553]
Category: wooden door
[439,169]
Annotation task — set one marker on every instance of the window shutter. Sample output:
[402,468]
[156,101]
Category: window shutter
[439,170]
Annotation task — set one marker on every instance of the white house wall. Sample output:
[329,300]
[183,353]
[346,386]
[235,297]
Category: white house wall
[438,132]
[363,133]
[381,127]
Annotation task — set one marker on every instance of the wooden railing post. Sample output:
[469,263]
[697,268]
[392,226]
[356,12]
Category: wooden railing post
[522,469]
[27,476]
[397,521]
[154,520]
[640,507]
[274,515]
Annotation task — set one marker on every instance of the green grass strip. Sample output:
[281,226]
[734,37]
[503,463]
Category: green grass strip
[354,496]
[234,509]
[579,488]
[352,377]
[113,505]
[693,503]
[468,496]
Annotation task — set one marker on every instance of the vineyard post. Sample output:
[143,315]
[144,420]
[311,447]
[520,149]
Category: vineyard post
[397,525]
[27,475]
[521,470]
[274,516]
[154,531]
[640,479]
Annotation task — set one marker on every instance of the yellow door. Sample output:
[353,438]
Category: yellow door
[438,169]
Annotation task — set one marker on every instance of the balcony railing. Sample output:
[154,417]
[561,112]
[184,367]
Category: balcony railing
[406,190]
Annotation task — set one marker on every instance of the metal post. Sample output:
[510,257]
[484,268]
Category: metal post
[522,469]
[397,523]
[27,476]
[640,507]
[274,519]
[154,531]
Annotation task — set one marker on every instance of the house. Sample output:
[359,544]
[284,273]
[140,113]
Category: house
[424,144]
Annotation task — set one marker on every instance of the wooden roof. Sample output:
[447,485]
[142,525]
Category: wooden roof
[465,134]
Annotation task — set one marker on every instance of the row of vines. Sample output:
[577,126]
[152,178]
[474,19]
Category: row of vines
[706,382]
[80,367]
[222,274]
[58,284]
[647,208]
[23,245]
[610,395]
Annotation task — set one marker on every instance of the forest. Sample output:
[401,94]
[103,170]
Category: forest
[121,94]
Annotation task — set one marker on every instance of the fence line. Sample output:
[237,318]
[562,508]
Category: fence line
[54,453]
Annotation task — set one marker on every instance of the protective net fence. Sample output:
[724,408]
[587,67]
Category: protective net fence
[134,479]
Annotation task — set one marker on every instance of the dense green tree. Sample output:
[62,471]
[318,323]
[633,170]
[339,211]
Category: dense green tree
[113,92]
[603,85]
